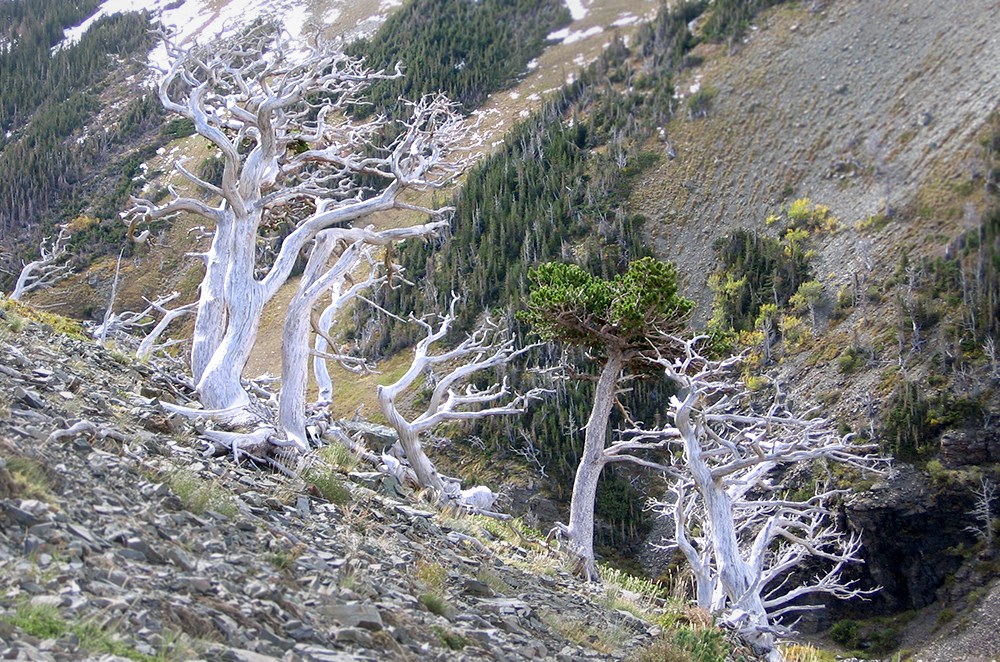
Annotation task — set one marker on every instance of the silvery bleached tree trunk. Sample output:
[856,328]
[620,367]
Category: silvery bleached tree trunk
[597,454]
[256,104]
[741,541]
[580,530]
[48,269]
[486,348]
[317,279]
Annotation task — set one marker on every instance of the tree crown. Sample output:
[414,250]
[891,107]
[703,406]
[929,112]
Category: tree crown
[570,305]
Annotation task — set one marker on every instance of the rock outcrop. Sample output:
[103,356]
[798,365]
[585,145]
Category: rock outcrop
[913,532]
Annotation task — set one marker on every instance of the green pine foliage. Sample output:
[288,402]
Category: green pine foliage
[465,49]
[28,71]
[47,99]
[569,305]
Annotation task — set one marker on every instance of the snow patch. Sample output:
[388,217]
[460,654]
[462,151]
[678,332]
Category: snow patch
[533,64]
[515,96]
[201,21]
[71,36]
[295,20]
[568,36]
[576,9]
[625,19]
[331,16]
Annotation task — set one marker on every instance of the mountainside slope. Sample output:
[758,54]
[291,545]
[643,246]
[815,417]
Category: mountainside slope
[809,106]
[118,537]
[878,111]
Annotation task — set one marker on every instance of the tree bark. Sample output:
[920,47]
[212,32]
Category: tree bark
[295,339]
[321,372]
[210,318]
[220,386]
[737,577]
[422,466]
[580,530]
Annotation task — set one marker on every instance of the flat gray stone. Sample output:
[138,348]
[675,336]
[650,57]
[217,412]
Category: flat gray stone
[355,615]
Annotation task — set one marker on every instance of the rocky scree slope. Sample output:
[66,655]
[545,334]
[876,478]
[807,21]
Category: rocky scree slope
[808,105]
[122,539]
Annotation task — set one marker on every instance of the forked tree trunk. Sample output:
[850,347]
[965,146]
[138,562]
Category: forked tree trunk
[295,338]
[422,466]
[736,575]
[580,531]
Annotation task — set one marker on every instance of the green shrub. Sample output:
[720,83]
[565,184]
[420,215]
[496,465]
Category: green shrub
[199,495]
[851,359]
[211,169]
[178,128]
[17,313]
[434,603]
[30,479]
[661,650]
[699,104]
[450,638]
[328,485]
[756,271]
[846,633]
[42,621]
[46,622]
[340,457]
[704,644]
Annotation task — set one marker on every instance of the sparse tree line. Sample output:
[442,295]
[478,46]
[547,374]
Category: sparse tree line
[463,49]
[47,99]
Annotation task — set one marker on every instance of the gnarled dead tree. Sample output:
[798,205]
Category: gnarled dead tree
[320,277]
[452,398]
[48,269]
[129,322]
[289,150]
[743,537]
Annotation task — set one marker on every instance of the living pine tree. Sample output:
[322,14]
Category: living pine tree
[620,322]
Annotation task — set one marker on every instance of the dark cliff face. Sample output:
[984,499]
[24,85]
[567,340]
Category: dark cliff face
[912,528]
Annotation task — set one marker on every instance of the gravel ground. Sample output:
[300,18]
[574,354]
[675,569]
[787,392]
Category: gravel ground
[975,637]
